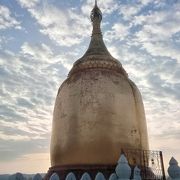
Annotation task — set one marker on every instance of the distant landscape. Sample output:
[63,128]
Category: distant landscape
[12,176]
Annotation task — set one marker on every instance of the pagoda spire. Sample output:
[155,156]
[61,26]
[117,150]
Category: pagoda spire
[96,18]
[97,52]
[96,46]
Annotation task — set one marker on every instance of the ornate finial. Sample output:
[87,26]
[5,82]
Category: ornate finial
[123,170]
[96,17]
[174,169]
[96,13]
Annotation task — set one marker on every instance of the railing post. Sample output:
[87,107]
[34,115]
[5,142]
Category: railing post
[162,165]
[144,165]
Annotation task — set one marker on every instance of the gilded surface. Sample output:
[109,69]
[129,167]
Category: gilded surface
[98,110]
[96,115]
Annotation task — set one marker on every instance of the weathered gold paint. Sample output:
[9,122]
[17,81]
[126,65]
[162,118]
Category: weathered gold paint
[96,115]
[97,112]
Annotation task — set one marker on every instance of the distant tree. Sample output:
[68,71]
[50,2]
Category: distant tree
[37,177]
[17,176]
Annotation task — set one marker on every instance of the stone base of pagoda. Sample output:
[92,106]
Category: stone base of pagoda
[79,170]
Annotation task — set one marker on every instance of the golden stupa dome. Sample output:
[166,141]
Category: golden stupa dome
[98,109]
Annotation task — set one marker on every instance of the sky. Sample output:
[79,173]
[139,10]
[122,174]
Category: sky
[41,39]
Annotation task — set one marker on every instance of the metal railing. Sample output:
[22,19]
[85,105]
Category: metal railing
[150,163]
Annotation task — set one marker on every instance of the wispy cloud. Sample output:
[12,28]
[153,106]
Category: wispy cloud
[28,4]
[107,6]
[37,52]
[28,88]
[7,20]
[64,27]
[119,32]
[159,30]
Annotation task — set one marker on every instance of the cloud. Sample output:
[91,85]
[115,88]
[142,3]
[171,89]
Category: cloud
[38,52]
[118,32]
[146,2]
[6,19]
[28,4]
[12,137]
[4,40]
[107,6]
[30,163]
[15,149]
[64,27]
[128,11]
[29,83]
[158,30]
